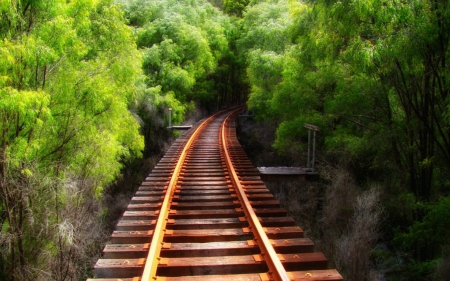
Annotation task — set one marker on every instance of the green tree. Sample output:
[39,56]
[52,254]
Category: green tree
[182,46]
[373,75]
[235,7]
[66,71]
[263,41]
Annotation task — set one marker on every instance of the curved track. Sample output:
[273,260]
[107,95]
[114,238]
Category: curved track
[204,214]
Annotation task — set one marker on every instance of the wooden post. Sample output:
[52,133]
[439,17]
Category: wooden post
[311,160]
[170,117]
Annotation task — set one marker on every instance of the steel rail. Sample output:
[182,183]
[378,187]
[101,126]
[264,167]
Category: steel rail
[276,268]
[153,256]
[205,184]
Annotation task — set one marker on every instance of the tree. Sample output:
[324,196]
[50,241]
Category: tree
[182,47]
[66,128]
[373,75]
[235,7]
[262,43]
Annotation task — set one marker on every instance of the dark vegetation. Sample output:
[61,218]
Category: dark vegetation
[84,91]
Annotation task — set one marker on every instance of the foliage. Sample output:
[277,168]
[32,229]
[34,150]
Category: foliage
[374,76]
[262,43]
[431,231]
[66,71]
[182,44]
[235,7]
[152,111]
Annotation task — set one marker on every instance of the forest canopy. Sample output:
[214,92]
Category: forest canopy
[374,75]
[67,73]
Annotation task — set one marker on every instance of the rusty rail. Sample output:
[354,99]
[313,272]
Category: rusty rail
[276,269]
[204,214]
[153,256]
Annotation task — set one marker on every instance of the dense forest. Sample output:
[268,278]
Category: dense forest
[84,91]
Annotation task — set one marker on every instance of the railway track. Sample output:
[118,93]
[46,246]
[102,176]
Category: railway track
[204,214]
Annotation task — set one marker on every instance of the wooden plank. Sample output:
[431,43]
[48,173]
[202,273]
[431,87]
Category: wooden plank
[204,151]
[203,163]
[197,214]
[252,182]
[276,221]
[114,279]
[140,225]
[196,156]
[250,173]
[193,188]
[311,275]
[249,178]
[209,249]
[234,277]
[218,223]
[270,212]
[221,190]
[316,275]
[242,163]
[125,251]
[192,168]
[210,261]
[143,207]
[155,183]
[161,189]
[168,160]
[303,261]
[284,232]
[256,189]
[146,199]
[210,265]
[207,235]
[162,169]
[293,245]
[131,237]
[205,183]
[203,198]
[260,197]
[154,178]
[205,173]
[118,268]
[150,192]
[217,169]
[205,205]
[265,203]
[139,215]
[197,178]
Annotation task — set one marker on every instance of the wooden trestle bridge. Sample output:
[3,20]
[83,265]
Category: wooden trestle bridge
[204,214]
